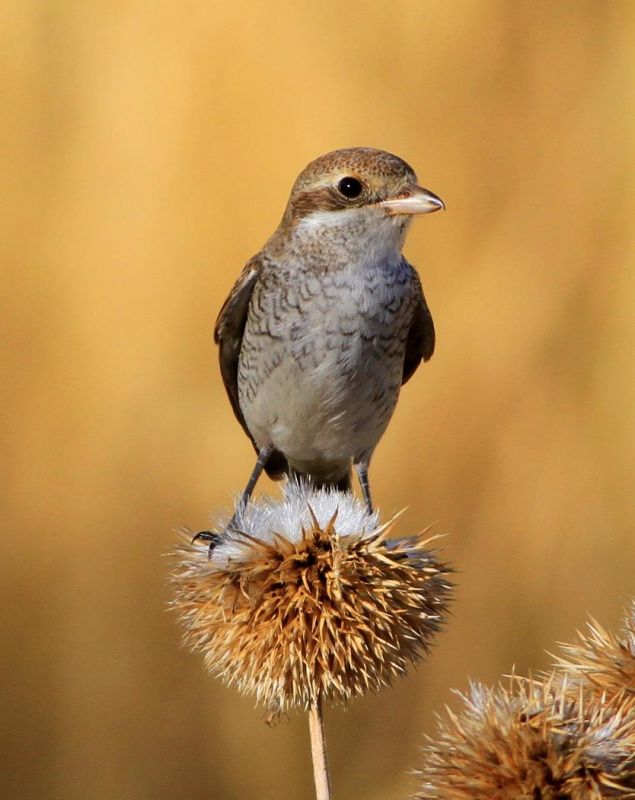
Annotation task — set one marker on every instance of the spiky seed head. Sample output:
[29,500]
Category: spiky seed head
[310,600]
[531,740]
[602,659]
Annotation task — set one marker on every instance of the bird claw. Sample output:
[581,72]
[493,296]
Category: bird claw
[207,536]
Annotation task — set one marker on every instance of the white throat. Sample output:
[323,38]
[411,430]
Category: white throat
[366,232]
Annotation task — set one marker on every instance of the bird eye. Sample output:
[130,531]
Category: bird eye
[350,187]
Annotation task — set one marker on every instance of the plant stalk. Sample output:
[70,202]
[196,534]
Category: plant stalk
[318,753]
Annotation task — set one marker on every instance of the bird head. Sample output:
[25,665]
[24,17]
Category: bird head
[358,186]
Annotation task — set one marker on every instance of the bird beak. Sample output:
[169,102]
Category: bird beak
[413,200]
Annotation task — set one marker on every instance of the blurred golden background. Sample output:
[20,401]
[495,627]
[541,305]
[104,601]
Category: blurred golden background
[147,152]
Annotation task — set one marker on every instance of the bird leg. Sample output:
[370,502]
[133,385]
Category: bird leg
[362,475]
[263,456]
[214,538]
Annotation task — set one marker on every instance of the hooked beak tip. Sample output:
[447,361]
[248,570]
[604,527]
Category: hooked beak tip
[413,200]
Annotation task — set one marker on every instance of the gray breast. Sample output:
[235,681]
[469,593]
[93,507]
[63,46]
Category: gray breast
[322,357]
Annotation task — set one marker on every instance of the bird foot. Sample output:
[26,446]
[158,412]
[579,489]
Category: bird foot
[207,536]
[215,538]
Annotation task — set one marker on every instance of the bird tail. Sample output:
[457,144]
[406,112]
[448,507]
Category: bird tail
[341,484]
[277,467]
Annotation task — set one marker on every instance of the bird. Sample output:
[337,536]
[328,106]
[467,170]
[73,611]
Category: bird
[327,322]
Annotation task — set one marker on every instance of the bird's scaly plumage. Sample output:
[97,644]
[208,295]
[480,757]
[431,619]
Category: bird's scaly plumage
[327,322]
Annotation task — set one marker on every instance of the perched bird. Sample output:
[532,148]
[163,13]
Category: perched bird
[328,320]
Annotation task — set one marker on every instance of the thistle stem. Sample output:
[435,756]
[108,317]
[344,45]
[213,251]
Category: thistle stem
[318,752]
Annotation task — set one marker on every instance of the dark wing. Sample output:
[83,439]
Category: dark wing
[420,341]
[228,335]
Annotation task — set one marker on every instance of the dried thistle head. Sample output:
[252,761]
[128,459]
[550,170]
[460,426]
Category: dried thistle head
[310,601]
[601,659]
[531,741]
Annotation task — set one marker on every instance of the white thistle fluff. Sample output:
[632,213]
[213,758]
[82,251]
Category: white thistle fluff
[264,518]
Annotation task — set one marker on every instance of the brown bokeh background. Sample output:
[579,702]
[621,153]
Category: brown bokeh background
[147,151]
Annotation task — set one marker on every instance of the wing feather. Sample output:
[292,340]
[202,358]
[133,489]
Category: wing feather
[421,337]
[228,335]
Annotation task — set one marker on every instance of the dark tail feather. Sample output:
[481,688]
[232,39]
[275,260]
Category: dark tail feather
[339,484]
[276,467]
